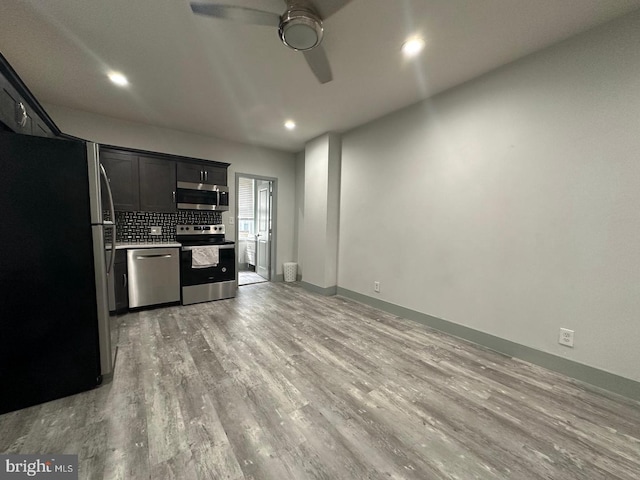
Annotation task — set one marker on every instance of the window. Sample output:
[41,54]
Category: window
[246,207]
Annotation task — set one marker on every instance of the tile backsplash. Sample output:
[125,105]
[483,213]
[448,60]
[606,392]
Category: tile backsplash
[136,226]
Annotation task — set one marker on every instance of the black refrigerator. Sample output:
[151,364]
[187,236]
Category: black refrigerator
[55,336]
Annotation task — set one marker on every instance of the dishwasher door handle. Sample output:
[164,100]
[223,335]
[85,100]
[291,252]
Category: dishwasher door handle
[144,257]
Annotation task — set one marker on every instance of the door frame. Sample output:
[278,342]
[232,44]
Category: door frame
[274,219]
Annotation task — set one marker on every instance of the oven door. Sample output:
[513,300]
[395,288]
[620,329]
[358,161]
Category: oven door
[224,271]
[209,283]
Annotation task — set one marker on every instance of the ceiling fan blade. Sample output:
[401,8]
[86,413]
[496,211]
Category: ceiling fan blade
[319,63]
[237,13]
[326,8]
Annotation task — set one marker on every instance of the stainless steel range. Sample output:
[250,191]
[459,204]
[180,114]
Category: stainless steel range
[207,263]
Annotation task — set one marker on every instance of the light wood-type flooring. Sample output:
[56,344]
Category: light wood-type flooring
[280,384]
[248,277]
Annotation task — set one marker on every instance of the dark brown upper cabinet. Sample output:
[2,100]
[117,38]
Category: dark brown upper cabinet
[122,170]
[17,114]
[189,172]
[147,181]
[157,184]
[13,110]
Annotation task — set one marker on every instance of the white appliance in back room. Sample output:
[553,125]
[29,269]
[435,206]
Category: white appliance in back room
[55,337]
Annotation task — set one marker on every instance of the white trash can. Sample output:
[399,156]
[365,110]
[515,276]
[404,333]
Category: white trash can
[290,271]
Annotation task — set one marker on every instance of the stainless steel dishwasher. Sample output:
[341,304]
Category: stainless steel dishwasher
[154,276]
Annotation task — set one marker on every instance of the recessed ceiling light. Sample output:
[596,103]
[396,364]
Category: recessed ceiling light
[118,79]
[289,124]
[413,46]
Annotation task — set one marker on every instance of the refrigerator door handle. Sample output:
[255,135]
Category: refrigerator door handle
[112,259]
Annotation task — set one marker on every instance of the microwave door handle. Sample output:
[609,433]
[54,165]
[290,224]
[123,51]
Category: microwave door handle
[112,259]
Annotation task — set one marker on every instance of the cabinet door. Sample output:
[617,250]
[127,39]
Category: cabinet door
[157,184]
[190,172]
[215,175]
[17,116]
[120,281]
[7,104]
[13,110]
[40,129]
[122,170]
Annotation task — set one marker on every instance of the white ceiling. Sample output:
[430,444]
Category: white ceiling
[238,82]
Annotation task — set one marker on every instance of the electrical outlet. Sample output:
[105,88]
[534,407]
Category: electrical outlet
[376,287]
[566,337]
[156,231]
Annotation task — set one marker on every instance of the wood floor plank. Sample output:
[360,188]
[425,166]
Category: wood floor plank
[279,383]
[165,424]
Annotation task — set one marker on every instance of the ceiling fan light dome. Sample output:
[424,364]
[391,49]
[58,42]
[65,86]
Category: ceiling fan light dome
[300,29]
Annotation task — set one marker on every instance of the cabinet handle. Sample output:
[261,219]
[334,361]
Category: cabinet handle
[201,176]
[124,280]
[206,176]
[22,114]
[174,196]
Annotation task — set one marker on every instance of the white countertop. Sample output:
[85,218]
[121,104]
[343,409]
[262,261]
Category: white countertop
[128,245]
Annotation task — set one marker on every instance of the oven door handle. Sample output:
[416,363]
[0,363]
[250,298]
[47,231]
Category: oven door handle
[186,249]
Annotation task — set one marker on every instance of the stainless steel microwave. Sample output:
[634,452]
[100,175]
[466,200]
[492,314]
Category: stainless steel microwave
[202,196]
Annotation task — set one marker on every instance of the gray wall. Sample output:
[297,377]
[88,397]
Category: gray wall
[319,240]
[243,159]
[512,202]
[299,207]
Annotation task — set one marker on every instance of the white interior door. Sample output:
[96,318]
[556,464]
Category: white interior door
[263,228]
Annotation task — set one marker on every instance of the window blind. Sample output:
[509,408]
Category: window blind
[245,198]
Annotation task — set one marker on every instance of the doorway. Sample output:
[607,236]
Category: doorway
[255,232]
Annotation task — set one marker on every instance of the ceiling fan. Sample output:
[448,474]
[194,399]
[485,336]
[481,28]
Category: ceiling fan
[300,26]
